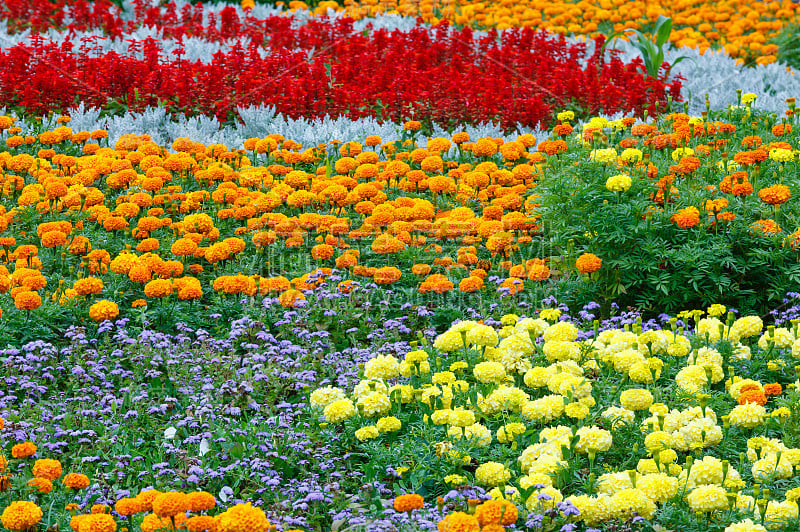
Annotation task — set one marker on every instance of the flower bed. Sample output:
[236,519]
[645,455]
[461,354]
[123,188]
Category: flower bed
[742,29]
[375,334]
[627,426]
[96,232]
[448,77]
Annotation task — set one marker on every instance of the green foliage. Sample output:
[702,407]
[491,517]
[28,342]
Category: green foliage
[652,48]
[648,260]
[788,41]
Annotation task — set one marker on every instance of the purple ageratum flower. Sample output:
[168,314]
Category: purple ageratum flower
[535,521]
[568,508]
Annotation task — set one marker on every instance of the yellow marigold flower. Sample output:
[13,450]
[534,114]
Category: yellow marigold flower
[679,153]
[636,399]
[745,526]
[708,498]
[492,474]
[339,411]
[603,155]
[619,183]
[369,432]
[565,116]
[388,424]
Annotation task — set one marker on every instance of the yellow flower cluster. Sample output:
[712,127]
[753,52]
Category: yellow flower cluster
[535,375]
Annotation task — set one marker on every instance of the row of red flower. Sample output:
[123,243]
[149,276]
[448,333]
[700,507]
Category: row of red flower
[449,77]
[173,21]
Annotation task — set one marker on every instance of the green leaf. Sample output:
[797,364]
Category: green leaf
[662,29]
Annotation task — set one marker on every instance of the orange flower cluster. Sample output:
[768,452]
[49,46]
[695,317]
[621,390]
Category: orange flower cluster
[686,218]
[753,396]
[588,263]
[741,28]
[408,502]
[775,195]
[178,221]
[199,207]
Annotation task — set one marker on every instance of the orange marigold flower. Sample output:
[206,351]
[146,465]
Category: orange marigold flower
[765,228]
[408,502]
[27,300]
[127,506]
[76,481]
[552,147]
[146,498]
[512,286]
[753,396]
[40,485]
[751,141]
[98,523]
[387,275]
[291,298]
[53,239]
[490,512]
[104,310]
[538,272]
[158,288]
[473,283]
[243,518]
[459,522]
[154,523]
[781,129]
[200,501]
[588,263]
[75,522]
[23,450]
[47,468]
[88,285]
[436,283]
[775,195]
[773,389]
[169,504]
[21,515]
[322,252]
[562,130]
[201,523]
[686,218]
